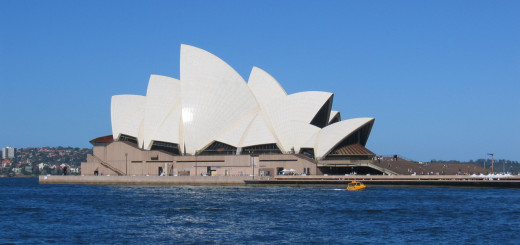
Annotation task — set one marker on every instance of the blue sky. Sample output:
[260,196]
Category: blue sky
[442,78]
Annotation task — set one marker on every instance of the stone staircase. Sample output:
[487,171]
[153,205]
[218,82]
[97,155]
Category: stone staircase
[107,165]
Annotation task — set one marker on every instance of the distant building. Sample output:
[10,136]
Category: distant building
[8,153]
[17,170]
[7,163]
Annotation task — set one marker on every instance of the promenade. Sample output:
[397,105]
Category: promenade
[321,180]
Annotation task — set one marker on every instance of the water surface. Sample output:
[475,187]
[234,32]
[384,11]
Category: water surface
[114,214]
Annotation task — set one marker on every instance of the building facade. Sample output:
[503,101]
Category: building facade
[8,153]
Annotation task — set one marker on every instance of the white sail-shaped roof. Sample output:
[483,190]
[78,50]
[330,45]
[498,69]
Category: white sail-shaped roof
[235,132]
[294,134]
[301,107]
[311,142]
[127,113]
[212,102]
[162,111]
[258,133]
[265,88]
[333,134]
[214,96]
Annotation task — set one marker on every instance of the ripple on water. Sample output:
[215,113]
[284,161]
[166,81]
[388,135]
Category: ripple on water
[63,214]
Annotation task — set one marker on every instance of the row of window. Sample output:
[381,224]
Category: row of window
[219,148]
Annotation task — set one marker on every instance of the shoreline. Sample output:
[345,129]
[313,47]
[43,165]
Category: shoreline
[27,176]
[340,181]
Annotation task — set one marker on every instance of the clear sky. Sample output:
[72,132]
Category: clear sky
[442,78]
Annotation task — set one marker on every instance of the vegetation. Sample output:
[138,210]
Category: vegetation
[34,161]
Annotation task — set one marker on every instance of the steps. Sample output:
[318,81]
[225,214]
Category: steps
[108,165]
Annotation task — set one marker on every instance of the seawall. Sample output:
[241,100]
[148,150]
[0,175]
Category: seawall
[370,181]
[396,181]
[144,180]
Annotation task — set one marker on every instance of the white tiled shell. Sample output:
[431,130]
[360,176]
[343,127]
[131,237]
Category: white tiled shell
[162,111]
[295,134]
[258,133]
[311,142]
[214,96]
[300,107]
[235,132]
[127,113]
[264,87]
[333,134]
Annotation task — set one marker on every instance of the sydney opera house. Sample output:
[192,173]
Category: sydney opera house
[212,122]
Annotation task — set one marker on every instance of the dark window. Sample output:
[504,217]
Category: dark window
[308,152]
[166,147]
[261,149]
[279,171]
[219,148]
[128,138]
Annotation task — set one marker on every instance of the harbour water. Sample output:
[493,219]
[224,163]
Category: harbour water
[117,214]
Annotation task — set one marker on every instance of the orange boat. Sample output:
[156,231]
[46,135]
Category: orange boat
[356,186]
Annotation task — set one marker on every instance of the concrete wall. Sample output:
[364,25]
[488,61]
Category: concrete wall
[133,161]
[287,162]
